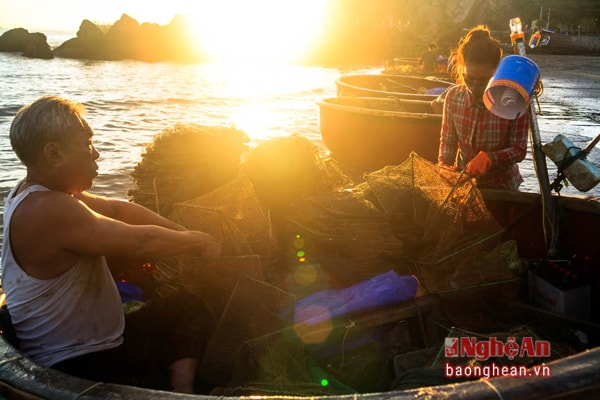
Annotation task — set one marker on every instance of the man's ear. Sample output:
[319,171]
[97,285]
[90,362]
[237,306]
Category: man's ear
[53,153]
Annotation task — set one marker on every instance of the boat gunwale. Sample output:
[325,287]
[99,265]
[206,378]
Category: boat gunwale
[341,84]
[329,102]
[575,202]
[572,374]
[373,76]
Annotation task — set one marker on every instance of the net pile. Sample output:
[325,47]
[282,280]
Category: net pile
[251,312]
[350,237]
[439,215]
[285,209]
[249,327]
[233,285]
[186,161]
[233,216]
[286,169]
[414,218]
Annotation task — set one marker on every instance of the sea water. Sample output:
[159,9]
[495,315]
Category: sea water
[129,102]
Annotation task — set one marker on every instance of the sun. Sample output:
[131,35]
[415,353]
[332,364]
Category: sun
[258,31]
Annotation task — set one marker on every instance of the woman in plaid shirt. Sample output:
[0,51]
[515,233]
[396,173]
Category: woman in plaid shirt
[472,137]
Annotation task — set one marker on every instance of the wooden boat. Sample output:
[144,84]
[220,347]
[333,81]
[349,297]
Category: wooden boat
[390,85]
[575,376]
[366,133]
[409,67]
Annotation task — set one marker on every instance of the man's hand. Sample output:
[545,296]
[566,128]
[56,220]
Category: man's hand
[479,165]
[210,247]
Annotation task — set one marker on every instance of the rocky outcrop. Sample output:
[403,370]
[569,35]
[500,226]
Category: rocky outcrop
[89,40]
[32,45]
[356,32]
[128,39]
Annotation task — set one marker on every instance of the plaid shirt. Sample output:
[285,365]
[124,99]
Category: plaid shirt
[469,128]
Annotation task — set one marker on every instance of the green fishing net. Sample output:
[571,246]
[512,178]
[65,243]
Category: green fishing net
[292,224]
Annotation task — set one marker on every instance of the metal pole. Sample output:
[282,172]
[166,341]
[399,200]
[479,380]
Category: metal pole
[539,158]
[541,171]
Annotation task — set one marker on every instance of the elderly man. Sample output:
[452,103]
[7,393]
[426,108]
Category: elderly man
[64,303]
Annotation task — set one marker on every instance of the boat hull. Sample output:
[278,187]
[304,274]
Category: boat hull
[576,376]
[520,213]
[366,134]
[572,377]
[390,85]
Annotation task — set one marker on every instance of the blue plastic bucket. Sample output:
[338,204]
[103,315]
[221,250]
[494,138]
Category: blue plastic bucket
[509,92]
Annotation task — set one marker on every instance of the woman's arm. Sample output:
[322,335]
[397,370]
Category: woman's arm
[515,139]
[448,138]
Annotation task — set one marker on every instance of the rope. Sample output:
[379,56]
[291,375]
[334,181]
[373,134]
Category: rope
[494,388]
[537,92]
[155,195]
[87,390]
[348,327]
[566,162]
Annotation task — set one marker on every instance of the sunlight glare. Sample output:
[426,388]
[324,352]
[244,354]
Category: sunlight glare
[255,119]
[251,95]
[259,31]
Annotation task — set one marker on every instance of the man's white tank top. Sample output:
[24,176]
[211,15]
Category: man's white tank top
[72,314]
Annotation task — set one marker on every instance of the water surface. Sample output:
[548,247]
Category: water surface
[129,102]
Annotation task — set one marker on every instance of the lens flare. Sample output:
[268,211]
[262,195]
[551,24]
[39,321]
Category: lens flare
[306,274]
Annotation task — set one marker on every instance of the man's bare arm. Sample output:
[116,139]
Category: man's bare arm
[127,212]
[138,233]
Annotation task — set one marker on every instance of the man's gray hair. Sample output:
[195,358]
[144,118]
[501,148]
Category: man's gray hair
[50,118]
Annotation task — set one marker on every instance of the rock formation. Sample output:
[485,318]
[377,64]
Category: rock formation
[356,32]
[32,45]
[85,46]
[128,39]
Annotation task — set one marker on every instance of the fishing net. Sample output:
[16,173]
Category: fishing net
[186,161]
[345,235]
[249,326]
[439,215]
[291,224]
[285,169]
[233,216]
[233,285]
[240,286]
[415,218]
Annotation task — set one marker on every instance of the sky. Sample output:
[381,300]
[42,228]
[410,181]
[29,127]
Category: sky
[67,15]
[228,28]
